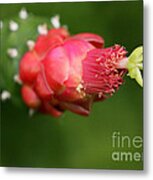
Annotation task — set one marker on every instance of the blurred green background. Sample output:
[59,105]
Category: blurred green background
[73,141]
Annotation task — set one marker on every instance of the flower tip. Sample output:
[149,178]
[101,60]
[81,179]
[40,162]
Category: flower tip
[135,65]
[140,82]
[139,79]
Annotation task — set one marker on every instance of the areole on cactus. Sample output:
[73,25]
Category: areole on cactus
[70,72]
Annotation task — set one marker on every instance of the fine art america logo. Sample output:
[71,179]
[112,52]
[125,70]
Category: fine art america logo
[126,148]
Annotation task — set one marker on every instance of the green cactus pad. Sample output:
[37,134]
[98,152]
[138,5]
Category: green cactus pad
[27,30]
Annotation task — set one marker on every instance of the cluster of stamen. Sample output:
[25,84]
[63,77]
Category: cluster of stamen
[101,75]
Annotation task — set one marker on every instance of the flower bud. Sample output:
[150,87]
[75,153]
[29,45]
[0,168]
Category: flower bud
[64,72]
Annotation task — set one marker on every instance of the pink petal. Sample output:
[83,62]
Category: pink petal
[76,51]
[56,67]
[70,95]
[42,88]
[29,67]
[45,43]
[75,108]
[49,109]
[94,39]
[30,97]
[62,32]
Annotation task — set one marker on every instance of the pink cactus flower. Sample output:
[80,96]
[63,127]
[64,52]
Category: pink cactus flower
[64,72]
